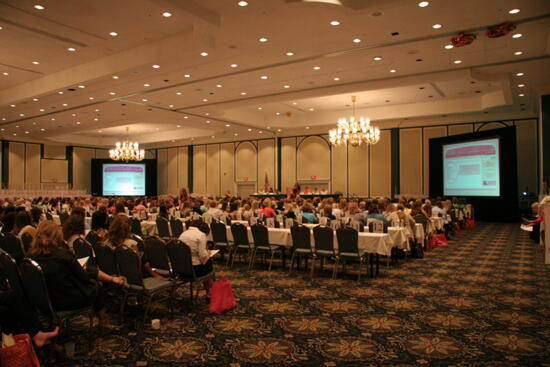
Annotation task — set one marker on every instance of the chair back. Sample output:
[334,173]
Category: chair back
[323,221]
[301,238]
[136,226]
[335,225]
[324,239]
[35,287]
[207,218]
[139,242]
[163,227]
[10,274]
[105,258]
[253,221]
[289,223]
[13,246]
[377,226]
[93,238]
[270,222]
[348,239]
[177,227]
[420,218]
[83,248]
[156,252]
[260,235]
[26,239]
[219,232]
[129,265]
[180,257]
[240,234]
[300,219]
[358,226]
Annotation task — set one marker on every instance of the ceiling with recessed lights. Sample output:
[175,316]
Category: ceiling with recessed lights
[177,72]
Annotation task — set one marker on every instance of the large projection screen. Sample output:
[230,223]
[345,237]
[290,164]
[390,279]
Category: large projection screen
[123,179]
[472,168]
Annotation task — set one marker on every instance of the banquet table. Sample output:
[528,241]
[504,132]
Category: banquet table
[87,221]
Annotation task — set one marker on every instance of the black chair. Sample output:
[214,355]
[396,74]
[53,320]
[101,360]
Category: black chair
[136,226]
[260,235]
[93,238]
[240,240]
[219,237]
[348,248]
[301,246]
[139,242]
[182,264]
[163,228]
[13,246]
[105,258]
[377,226]
[26,239]
[157,255]
[324,245]
[83,248]
[129,266]
[176,226]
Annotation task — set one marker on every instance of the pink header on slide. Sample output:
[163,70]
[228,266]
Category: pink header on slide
[473,150]
[124,169]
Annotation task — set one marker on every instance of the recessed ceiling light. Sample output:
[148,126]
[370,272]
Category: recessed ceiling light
[377,58]
[520,74]
[185,117]
[96,110]
[6,73]
[207,121]
[234,65]
[521,95]
[178,125]
[17,126]
[173,141]
[312,109]
[521,85]
[35,99]
[259,132]
[26,132]
[227,125]
[242,3]
[1,27]
[36,63]
[207,114]
[114,34]
[236,134]
[39,7]
[212,136]
[457,61]
[219,85]
[316,68]
[517,35]
[423,4]
[146,85]
[186,75]
[78,122]
[53,119]
[290,53]
[278,114]
[81,86]
[205,99]
[145,100]
[262,39]
[393,71]
[96,119]
[334,23]
[73,114]
[436,26]
[518,53]
[204,53]
[448,47]
[71,49]
[14,134]
[42,129]
[260,108]
[115,76]
[514,11]
[307,127]
[156,66]
[286,86]
[243,93]
[22,114]
[249,129]
[12,105]
[167,14]
[294,103]
[336,78]
[42,110]
[279,130]
[269,128]
[65,104]
[60,92]
[112,93]
[356,40]
[91,98]
[178,93]
[100,131]
[171,106]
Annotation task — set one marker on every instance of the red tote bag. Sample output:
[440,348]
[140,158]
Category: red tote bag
[470,224]
[440,239]
[21,354]
[222,298]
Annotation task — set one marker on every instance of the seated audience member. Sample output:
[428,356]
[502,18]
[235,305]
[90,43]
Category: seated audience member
[8,221]
[267,210]
[538,216]
[327,212]
[23,225]
[214,211]
[340,211]
[374,214]
[355,214]
[307,213]
[69,285]
[195,238]
[247,212]
[37,216]
[163,212]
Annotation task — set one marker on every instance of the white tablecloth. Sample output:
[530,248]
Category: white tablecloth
[87,221]
[419,232]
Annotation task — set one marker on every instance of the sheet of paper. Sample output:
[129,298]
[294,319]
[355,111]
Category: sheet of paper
[83,261]
[527,228]
[213,252]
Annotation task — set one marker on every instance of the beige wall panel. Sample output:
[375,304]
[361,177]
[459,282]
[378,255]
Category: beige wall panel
[410,158]
[246,162]
[227,168]
[339,170]
[183,174]
[54,151]
[380,166]
[54,170]
[213,169]
[288,163]
[199,169]
[430,133]
[266,163]
[526,140]
[358,166]
[162,172]
[32,166]
[460,129]
[82,162]
[172,171]
[102,154]
[313,159]
[16,165]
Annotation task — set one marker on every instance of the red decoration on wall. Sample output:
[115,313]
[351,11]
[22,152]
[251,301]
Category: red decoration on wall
[500,30]
[245,178]
[463,39]
[313,177]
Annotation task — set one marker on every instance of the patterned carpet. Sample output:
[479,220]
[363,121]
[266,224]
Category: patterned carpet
[483,300]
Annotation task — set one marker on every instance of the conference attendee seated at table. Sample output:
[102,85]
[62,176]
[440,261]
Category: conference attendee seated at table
[355,214]
[534,221]
[290,210]
[375,214]
[234,210]
[163,212]
[195,238]
[22,225]
[37,216]
[214,211]
[340,210]
[267,210]
[69,285]
[308,215]
[8,221]
[426,209]
[327,212]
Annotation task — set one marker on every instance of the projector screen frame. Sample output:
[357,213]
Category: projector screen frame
[97,176]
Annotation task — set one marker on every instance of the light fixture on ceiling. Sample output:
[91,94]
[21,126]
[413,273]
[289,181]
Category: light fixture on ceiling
[307,127]
[316,68]
[518,53]
[5,73]
[263,39]
[35,99]
[146,85]
[234,65]
[423,4]
[112,93]
[517,35]
[260,108]
[264,77]
[521,95]
[205,99]
[377,58]
[207,121]
[126,151]
[71,49]
[115,77]
[60,92]
[336,79]
[81,86]
[521,85]
[356,40]
[354,131]
[457,61]
[227,125]
[286,86]
[243,93]
[249,129]
[156,66]
[113,34]
[448,47]
[12,105]
[178,93]
[520,74]
[219,86]
[393,71]
[242,3]
[514,11]
[290,53]
[39,7]
[36,63]
[204,53]
[334,23]
[436,26]
[167,14]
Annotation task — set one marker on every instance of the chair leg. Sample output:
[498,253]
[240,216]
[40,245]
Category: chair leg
[229,256]
[147,307]
[122,304]
[252,259]
[292,262]
[335,269]
[235,251]
[312,267]
[360,269]
[191,291]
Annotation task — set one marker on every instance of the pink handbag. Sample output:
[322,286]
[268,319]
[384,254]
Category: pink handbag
[222,298]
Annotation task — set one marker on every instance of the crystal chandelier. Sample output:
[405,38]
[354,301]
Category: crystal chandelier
[354,131]
[126,151]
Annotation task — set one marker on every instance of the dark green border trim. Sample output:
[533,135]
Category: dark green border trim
[69,156]
[279,163]
[395,169]
[5,163]
[190,169]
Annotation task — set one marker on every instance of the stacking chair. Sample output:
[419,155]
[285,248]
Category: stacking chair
[301,246]
[324,246]
[240,240]
[261,243]
[182,264]
[157,255]
[105,258]
[335,225]
[163,228]
[83,248]
[289,222]
[358,226]
[377,226]
[129,266]
[26,239]
[177,227]
[13,246]
[348,248]
[139,242]
[136,226]
[219,237]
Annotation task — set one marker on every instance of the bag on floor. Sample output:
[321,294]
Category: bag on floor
[457,228]
[431,243]
[470,224]
[222,298]
[440,240]
[18,352]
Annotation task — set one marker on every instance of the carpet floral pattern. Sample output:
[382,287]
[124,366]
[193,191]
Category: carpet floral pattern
[483,300]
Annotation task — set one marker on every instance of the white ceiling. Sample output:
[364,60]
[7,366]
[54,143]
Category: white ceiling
[204,94]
